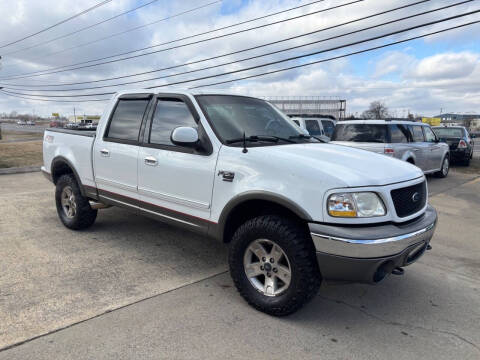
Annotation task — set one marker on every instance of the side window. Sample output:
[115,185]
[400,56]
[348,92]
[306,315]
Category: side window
[328,127]
[417,133]
[296,122]
[429,135]
[313,127]
[169,114]
[399,134]
[126,120]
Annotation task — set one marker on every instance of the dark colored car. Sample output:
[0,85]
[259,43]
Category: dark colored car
[459,140]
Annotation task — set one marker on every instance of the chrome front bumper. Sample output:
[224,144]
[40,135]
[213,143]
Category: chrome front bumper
[373,241]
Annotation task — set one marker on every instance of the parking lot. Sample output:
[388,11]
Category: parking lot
[132,287]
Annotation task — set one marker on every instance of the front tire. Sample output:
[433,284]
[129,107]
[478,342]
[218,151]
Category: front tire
[72,207]
[273,265]
[443,173]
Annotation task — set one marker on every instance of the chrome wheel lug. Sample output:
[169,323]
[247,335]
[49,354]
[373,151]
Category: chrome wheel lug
[264,259]
[272,260]
[275,270]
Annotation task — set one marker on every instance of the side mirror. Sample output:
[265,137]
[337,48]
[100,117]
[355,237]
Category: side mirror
[473,136]
[184,136]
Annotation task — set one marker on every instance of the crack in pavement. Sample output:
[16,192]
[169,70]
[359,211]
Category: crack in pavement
[395,323]
[11,346]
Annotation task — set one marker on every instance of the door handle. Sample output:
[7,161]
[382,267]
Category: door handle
[105,152]
[415,149]
[151,161]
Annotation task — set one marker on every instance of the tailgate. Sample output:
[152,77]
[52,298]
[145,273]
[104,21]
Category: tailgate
[378,148]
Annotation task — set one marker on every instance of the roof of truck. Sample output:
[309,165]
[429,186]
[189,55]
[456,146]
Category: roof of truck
[172,90]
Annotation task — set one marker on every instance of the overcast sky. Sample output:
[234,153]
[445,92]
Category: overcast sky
[422,76]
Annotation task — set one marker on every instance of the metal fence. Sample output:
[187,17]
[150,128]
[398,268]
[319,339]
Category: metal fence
[315,106]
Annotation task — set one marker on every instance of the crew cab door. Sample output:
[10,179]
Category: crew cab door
[175,183]
[115,153]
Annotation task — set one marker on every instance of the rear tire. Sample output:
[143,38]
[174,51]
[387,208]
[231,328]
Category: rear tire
[443,173]
[72,207]
[466,162]
[286,246]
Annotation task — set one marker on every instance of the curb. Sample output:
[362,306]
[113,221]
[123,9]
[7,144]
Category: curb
[19,170]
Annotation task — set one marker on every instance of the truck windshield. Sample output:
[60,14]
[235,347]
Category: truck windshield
[448,132]
[360,133]
[233,116]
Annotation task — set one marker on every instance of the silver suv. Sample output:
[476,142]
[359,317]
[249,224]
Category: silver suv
[409,141]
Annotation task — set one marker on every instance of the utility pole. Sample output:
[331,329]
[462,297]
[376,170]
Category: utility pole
[74,115]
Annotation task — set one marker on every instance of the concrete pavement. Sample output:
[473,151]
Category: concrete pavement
[174,299]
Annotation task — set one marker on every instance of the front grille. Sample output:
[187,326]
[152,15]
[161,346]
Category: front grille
[410,199]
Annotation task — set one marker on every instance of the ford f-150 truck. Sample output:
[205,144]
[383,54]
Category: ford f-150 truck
[293,210]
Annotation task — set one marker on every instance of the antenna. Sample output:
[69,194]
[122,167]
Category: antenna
[244,143]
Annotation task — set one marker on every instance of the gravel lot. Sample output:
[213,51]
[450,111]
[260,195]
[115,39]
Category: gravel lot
[131,287]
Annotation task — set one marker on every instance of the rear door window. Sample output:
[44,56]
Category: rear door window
[126,119]
[313,127]
[360,133]
[399,134]
[296,122]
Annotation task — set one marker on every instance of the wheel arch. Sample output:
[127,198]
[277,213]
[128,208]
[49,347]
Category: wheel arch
[251,204]
[62,166]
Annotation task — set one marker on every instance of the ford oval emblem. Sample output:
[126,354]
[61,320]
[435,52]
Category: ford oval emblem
[415,197]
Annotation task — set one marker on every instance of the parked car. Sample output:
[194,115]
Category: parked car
[71,126]
[459,140]
[30,122]
[316,126]
[412,142]
[293,210]
[21,122]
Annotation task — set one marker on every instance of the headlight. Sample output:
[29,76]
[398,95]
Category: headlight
[361,204]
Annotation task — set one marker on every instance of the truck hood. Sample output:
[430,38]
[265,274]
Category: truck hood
[348,166]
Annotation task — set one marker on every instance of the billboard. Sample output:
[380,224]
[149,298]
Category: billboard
[432,121]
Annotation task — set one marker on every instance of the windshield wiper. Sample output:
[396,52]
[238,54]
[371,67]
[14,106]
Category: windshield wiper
[305,136]
[255,138]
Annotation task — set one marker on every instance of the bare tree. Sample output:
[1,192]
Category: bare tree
[377,110]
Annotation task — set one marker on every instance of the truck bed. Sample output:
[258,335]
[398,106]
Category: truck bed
[74,146]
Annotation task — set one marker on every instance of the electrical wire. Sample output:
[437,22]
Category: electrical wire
[255,47]
[57,24]
[41,73]
[298,66]
[81,29]
[36,99]
[278,61]
[184,38]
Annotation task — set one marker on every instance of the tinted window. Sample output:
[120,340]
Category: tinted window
[313,127]
[126,119]
[417,133]
[328,127]
[449,132]
[360,133]
[169,114]
[399,134]
[296,122]
[429,135]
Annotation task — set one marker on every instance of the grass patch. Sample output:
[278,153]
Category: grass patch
[21,154]
[8,135]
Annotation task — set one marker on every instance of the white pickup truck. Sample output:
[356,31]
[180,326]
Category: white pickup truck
[293,210]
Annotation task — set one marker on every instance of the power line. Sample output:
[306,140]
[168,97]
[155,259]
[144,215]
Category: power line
[338,57]
[36,99]
[82,29]
[184,38]
[306,64]
[279,61]
[57,24]
[41,73]
[255,47]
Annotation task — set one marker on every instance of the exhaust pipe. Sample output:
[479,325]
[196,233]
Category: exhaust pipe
[398,271]
[98,205]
